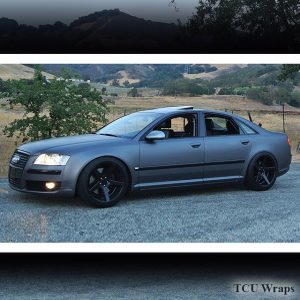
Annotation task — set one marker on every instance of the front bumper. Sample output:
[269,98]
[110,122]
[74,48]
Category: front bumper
[30,178]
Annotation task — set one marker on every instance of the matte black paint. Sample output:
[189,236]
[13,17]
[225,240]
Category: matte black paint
[163,163]
[193,165]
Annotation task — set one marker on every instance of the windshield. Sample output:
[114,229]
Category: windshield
[130,125]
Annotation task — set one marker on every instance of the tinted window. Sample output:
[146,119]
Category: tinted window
[130,125]
[246,128]
[179,126]
[219,125]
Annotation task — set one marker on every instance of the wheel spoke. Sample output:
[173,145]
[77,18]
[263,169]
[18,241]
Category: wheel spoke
[265,178]
[269,168]
[96,174]
[263,162]
[105,191]
[94,185]
[116,182]
[107,171]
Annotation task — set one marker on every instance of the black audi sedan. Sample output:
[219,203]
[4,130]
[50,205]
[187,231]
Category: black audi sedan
[153,149]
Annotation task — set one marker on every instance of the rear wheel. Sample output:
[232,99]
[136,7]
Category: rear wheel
[103,182]
[261,173]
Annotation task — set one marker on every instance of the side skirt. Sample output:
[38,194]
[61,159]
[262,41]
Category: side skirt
[187,183]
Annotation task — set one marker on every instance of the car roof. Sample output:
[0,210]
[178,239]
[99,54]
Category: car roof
[183,109]
[169,109]
[174,109]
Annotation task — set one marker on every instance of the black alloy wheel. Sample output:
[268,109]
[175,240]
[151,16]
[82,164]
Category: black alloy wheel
[262,173]
[103,182]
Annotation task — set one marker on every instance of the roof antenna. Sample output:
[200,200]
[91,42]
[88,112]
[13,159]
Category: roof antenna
[250,118]
[249,115]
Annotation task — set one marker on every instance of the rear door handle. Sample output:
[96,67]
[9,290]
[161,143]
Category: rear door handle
[195,145]
[245,142]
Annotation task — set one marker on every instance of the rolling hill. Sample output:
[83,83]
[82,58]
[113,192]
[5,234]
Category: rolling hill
[146,73]
[14,71]
[107,31]
[258,82]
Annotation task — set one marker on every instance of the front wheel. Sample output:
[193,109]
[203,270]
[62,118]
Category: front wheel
[103,182]
[261,173]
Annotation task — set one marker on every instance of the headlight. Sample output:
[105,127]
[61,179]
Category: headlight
[52,160]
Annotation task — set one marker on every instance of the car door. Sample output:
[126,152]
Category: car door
[226,148]
[176,160]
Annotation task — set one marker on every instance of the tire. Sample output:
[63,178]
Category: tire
[262,173]
[103,182]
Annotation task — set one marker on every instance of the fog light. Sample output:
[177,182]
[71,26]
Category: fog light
[50,185]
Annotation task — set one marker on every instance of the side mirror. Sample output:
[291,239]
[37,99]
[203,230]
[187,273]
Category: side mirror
[156,135]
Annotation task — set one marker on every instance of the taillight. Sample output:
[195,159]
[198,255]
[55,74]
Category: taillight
[289,141]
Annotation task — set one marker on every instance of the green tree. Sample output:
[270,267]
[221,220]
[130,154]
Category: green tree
[295,99]
[226,91]
[254,16]
[288,71]
[187,87]
[126,83]
[2,86]
[103,90]
[115,82]
[245,25]
[55,107]
[261,94]
[282,95]
[133,93]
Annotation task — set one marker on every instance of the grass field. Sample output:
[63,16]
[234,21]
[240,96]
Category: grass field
[269,116]
[16,72]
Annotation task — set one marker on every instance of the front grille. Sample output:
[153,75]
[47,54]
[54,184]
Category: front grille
[16,182]
[17,165]
[19,159]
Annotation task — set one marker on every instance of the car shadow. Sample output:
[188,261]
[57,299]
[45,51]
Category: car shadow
[52,200]
[76,202]
[44,200]
[184,192]
[132,197]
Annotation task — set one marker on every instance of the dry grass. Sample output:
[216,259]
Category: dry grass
[124,76]
[222,69]
[210,102]
[126,105]
[274,122]
[15,71]
[7,145]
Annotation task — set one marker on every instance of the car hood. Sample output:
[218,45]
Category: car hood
[67,144]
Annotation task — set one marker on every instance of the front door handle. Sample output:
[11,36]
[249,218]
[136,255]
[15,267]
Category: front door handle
[245,142]
[195,145]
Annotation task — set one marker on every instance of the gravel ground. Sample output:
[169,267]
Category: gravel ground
[231,214]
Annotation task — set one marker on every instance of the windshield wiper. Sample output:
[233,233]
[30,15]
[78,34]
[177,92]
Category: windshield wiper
[109,134]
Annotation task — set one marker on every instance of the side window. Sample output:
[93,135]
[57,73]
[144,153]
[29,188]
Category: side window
[246,128]
[219,125]
[179,126]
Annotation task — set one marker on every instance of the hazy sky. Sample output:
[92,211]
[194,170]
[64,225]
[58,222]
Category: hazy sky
[48,11]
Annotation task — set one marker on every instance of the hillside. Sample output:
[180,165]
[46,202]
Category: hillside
[222,69]
[107,31]
[155,75]
[14,71]
[258,82]
[148,75]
